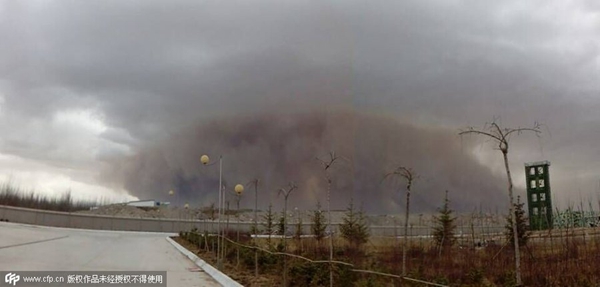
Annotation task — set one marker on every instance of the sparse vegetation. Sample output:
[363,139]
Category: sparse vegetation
[522,229]
[269,222]
[210,211]
[354,228]
[318,224]
[281,225]
[569,261]
[13,196]
[443,233]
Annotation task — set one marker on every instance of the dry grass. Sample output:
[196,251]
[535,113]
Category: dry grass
[559,258]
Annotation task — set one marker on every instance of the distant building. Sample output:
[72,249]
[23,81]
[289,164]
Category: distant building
[147,203]
[539,200]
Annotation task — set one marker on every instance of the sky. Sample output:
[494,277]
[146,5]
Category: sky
[118,99]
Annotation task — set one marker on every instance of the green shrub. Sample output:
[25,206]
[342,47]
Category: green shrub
[441,279]
[354,227]
[343,275]
[308,274]
[507,279]
[269,262]
[247,257]
[475,276]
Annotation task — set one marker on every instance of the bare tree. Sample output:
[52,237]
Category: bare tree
[326,167]
[409,175]
[286,193]
[502,137]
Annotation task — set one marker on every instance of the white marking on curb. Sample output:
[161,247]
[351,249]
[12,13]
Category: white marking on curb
[221,278]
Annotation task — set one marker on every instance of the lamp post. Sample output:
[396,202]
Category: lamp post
[255,226]
[171,193]
[239,190]
[255,183]
[206,161]
[186,207]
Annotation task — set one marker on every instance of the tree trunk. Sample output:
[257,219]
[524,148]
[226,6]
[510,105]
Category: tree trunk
[285,242]
[238,232]
[255,228]
[330,232]
[405,245]
[514,222]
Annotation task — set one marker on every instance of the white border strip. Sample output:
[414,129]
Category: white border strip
[223,279]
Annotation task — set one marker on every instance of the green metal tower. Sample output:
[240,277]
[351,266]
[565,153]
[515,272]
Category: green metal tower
[539,200]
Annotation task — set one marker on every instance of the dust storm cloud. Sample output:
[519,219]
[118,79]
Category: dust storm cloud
[279,148]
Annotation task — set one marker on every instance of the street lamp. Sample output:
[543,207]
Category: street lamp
[205,160]
[239,190]
[255,226]
[171,193]
[187,214]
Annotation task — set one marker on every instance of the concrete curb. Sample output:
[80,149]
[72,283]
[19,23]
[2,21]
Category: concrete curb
[221,278]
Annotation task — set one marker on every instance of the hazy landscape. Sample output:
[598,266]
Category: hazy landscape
[379,143]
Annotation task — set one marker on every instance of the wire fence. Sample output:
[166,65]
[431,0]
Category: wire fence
[476,256]
[329,262]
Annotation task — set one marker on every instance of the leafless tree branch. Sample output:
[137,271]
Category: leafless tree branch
[502,137]
[286,192]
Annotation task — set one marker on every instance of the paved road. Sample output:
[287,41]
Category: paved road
[33,248]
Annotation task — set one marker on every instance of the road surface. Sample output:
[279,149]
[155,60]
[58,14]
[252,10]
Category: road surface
[38,248]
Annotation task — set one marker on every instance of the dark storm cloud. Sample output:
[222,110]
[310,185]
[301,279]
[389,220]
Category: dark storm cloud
[153,71]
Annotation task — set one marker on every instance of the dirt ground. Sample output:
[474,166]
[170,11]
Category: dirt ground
[241,275]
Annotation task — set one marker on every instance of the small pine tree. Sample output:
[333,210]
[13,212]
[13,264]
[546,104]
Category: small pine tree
[254,229]
[354,227]
[211,211]
[269,223]
[522,228]
[443,232]
[281,225]
[318,223]
[298,231]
